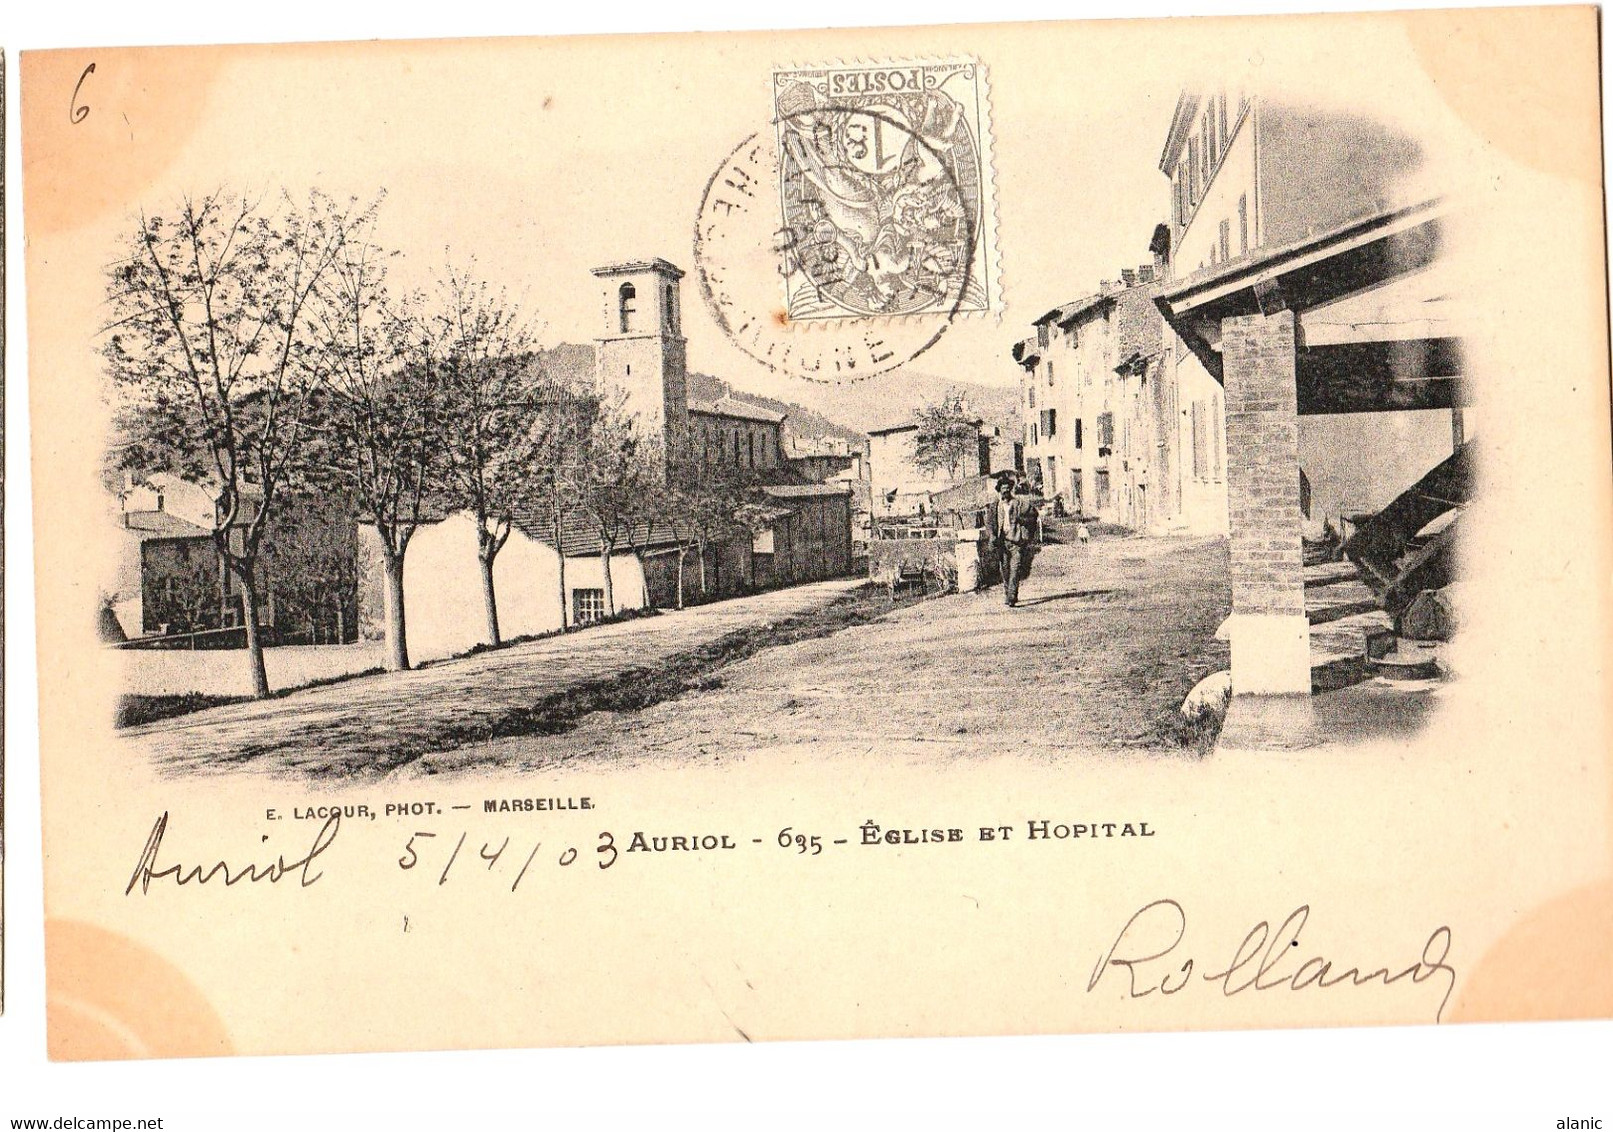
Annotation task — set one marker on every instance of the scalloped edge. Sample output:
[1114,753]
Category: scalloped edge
[992,253]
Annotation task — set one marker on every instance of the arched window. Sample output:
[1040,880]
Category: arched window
[624,303]
[750,443]
[671,312]
[736,448]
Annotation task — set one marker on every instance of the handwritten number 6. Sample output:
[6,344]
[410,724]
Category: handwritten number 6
[75,112]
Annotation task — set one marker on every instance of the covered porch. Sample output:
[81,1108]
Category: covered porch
[1341,357]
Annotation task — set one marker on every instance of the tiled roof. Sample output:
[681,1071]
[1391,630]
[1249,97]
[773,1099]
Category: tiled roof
[1061,315]
[910,426]
[807,490]
[739,410]
[579,537]
[161,524]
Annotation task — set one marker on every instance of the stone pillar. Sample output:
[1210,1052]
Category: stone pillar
[969,552]
[1270,634]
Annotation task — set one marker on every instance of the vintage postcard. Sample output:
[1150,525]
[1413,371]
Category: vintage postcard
[961,530]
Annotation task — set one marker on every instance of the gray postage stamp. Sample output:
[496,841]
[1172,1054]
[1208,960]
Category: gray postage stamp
[885,189]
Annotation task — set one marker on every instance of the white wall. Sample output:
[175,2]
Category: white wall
[1361,461]
[1203,499]
[130,604]
[1235,177]
[442,582]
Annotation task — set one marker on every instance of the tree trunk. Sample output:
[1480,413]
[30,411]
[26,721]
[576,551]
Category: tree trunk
[397,629]
[705,587]
[610,592]
[681,553]
[254,640]
[488,597]
[560,556]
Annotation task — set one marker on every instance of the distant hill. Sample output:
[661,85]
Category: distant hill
[895,398]
[845,410]
[799,420]
[569,364]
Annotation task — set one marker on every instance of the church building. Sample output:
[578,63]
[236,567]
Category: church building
[550,576]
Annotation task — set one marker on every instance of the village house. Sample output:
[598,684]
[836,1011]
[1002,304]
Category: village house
[1305,278]
[1100,408]
[837,460]
[901,485]
[171,580]
[823,458]
[170,577]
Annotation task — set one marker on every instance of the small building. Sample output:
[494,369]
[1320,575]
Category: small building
[731,431]
[546,581]
[822,458]
[170,576]
[172,580]
[442,582]
[808,538]
[899,485]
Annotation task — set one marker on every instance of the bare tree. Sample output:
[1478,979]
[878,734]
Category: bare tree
[653,509]
[607,479]
[378,368]
[487,353]
[948,436]
[702,499]
[540,468]
[207,340]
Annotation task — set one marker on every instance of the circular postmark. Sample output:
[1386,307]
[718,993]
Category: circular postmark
[841,245]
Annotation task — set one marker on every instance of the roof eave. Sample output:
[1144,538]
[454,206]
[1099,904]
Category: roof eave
[1187,105]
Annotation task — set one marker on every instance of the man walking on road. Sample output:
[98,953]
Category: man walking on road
[1014,522]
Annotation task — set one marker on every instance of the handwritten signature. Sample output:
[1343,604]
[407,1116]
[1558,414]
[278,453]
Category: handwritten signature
[1260,963]
[146,869]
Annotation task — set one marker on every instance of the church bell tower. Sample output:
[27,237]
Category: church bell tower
[642,356]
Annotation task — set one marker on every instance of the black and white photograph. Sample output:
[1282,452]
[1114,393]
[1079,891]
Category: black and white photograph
[981,530]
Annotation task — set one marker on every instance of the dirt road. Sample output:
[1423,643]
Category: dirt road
[1098,656]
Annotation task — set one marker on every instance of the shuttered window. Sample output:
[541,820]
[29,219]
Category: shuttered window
[1201,463]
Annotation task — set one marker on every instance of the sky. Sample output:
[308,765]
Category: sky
[536,160]
[539,160]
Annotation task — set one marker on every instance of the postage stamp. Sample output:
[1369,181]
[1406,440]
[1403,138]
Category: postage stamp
[740,253]
[885,189]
